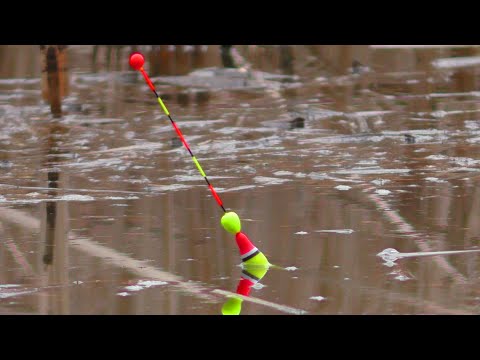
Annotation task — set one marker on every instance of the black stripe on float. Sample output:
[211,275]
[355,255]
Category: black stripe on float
[250,276]
[250,256]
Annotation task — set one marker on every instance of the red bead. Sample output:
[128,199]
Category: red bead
[137,60]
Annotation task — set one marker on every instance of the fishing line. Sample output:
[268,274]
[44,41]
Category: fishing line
[136,61]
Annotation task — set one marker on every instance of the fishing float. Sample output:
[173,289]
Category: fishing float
[230,221]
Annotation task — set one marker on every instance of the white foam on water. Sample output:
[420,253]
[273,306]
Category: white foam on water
[434,179]
[19,81]
[442,113]
[464,161]
[451,94]
[325,176]
[318,114]
[343,187]
[291,268]
[380,181]
[367,162]
[150,283]
[389,254]
[342,139]
[21,201]
[4,295]
[474,140]
[100,163]
[269,180]
[436,157]
[317,298]
[368,113]
[237,130]
[134,288]
[123,294]
[301,233]
[337,231]
[418,132]
[75,197]
[282,173]
[467,169]
[472,124]
[7,286]
[456,62]
[439,114]
[372,171]
[172,187]
[237,188]
[144,284]
[382,192]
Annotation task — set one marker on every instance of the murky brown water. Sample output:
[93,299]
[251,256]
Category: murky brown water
[329,154]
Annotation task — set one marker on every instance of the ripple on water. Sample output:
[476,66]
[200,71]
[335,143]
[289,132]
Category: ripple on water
[172,187]
[360,171]
[269,180]
[237,188]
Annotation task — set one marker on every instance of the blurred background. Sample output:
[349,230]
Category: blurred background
[329,154]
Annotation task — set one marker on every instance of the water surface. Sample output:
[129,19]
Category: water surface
[329,154]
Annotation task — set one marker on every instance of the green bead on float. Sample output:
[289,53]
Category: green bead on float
[232,306]
[231,222]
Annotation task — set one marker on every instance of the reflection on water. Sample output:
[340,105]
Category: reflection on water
[251,275]
[329,154]
[54,228]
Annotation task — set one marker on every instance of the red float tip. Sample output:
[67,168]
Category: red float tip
[137,60]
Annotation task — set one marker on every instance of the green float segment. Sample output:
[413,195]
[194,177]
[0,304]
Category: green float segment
[136,61]
[163,106]
[198,166]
